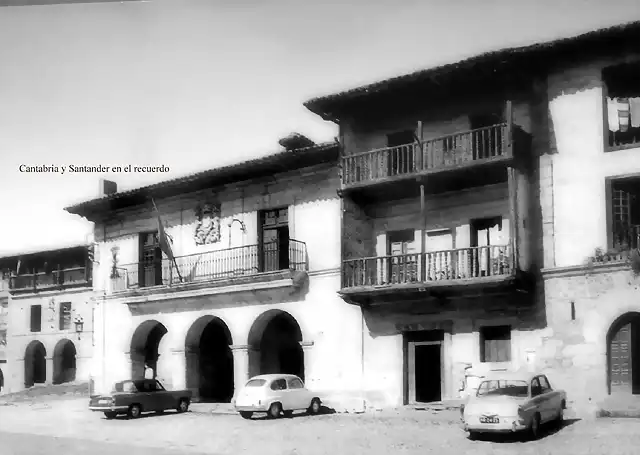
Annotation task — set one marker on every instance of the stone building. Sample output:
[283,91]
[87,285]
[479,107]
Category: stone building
[473,195]
[47,317]
[206,280]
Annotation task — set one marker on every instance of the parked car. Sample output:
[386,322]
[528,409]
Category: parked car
[133,397]
[513,402]
[275,394]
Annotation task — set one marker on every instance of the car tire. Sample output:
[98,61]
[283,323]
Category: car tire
[534,427]
[274,410]
[183,405]
[246,414]
[134,411]
[314,407]
[110,415]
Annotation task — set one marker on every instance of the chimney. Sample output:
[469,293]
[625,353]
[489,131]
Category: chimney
[295,141]
[107,187]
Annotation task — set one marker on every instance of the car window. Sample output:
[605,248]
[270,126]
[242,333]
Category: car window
[503,387]
[279,384]
[159,386]
[256,383]
[125,386]
[544,384]
[535,388]
[295,383]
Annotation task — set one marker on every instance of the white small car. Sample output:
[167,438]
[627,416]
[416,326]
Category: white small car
[513,402]
[275,394]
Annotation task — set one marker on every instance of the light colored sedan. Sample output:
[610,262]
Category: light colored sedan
[510,402]
[275,394]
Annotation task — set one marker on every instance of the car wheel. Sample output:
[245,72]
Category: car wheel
[274,410]
[314,407]
[110,415]
[246,414]
[134,411]
[183,406]
[534,427]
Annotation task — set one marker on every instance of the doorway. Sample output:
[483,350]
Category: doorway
[274,239]
[150,260]
[424,369]
[623,340]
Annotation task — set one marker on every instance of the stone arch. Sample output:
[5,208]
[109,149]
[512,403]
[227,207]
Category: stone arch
[623,354]
[64,362]
[209,360]
[35,364]
[144,350]
[274,342]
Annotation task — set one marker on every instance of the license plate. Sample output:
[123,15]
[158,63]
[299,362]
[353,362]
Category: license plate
[489,420]
[104,401]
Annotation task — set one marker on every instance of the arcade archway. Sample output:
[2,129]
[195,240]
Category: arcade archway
[64,362]
[274,340]
[209,360]
[35,364]
[144,350]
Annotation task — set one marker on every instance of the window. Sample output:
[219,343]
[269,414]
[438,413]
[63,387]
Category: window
[65,315]
[544,384]
[495,344]
[295,383]
[623,104]
[536,389]
[624,206]
[279,384]
[36,318]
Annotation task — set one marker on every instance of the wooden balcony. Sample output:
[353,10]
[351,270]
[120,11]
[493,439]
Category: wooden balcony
[56,279]
[251,264]
[489,149]
[436,270]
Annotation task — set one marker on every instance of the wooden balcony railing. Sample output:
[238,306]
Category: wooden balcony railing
[58,278]
[447,265]
[228,263]
[626,236]
[464,147]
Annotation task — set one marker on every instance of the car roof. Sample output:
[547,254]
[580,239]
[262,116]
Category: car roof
[526,376]
[271,377]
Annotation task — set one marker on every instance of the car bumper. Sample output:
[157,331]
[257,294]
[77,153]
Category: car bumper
[109,408]
[250,408]
[506,425]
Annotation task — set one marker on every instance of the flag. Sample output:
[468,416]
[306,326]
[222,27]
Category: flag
[163,239]
[18,267]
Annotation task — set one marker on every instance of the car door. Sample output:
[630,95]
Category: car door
[550,398]
[143,396]
[537,400]
[279,392]
[164,397]
[297,394]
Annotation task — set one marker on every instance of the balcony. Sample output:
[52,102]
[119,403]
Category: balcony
[489,148]
[255,266]
[435,270]
[57,279]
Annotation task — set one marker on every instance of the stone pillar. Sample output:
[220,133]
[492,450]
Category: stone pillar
[240,366]
[49,372]
[178,370]
[308,361]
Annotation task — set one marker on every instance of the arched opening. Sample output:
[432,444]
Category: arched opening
[209,360]
[35,364]
[623,355]
[275,340]
[144,351]
[64,362]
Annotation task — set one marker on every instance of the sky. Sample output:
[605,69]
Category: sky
[197,84]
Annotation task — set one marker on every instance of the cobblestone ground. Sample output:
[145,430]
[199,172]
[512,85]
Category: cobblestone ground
[404,432]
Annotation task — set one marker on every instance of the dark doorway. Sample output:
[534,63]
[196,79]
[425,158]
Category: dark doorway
[35,364]
[150,260]
[64,362]
[424,366]
[145,345]
[274,239]
[275,341]
[624,355]
[210,373]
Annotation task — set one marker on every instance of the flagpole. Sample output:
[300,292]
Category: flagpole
[160,221]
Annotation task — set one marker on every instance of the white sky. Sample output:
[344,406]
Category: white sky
[196,84]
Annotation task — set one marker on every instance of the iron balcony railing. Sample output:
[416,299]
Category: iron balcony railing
[446,265]
[57,278]
[465,147]
[228,263]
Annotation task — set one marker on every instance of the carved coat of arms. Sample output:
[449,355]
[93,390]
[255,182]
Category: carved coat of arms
[208,224]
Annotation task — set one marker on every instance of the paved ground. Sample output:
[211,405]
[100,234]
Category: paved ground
[68,427]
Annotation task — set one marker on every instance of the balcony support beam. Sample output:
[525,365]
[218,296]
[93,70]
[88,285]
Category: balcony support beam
[513,216]
[423,229]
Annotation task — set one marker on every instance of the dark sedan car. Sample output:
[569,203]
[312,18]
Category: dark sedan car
[135,397]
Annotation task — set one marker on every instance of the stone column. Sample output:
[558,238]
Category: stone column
[178,370]
[240,366]
[49,372]
[308,361]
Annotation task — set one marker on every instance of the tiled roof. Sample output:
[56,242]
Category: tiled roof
[629,33]
[266,165]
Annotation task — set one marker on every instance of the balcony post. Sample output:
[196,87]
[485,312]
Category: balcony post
[508,114]
[35,279]
[59,279]
[423,228]
[513,212]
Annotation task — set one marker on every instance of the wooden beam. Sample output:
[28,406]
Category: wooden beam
[513,215]
[508,114]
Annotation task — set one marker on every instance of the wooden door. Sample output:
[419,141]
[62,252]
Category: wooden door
[620,361]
